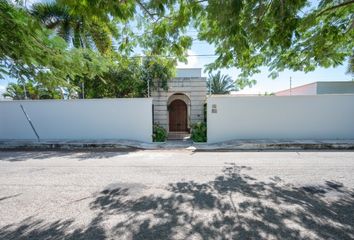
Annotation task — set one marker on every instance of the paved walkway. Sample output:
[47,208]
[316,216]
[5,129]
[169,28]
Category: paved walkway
[181,194]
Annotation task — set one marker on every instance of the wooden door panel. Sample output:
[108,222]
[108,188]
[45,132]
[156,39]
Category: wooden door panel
[178,116]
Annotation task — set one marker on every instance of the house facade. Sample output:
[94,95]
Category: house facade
[182,105]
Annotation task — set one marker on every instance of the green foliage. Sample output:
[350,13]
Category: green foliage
[30,52]
[157,71]
[120,80]
[159,133]
[151,32]
[223,84]
[299,35]
[103,10]
[18,91]
[127,78]
[26,49]
[35,51]
[220,84]
[37,46]
[199,132]
[267,94]
[75,27]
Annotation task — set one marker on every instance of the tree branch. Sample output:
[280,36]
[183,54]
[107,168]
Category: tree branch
[336,6]
[264,12]
[145,10]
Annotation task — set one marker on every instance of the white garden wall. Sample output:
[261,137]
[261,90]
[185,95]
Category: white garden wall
[94,119]
[320,117]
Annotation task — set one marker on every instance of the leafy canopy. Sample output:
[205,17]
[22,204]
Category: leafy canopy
[29,52]
[247,34]
[138,23]
[299,35]
[70,44]
[75,28]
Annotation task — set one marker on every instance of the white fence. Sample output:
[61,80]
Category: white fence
[95,119]
[322,117]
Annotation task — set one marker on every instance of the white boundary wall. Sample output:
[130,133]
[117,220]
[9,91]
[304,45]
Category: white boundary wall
[91,119]
[321,117]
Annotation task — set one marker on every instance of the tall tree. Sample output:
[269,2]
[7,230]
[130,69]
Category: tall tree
[26,49]
[29,52]
[141,23]
[220,84]
[76,28]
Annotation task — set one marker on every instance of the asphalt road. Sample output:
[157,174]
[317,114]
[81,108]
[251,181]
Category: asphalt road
[176,195]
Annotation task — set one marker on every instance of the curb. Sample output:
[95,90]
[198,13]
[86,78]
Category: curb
[282,147]
[261,145]
[67,147]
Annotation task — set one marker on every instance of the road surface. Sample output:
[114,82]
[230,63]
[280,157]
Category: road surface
[176,195]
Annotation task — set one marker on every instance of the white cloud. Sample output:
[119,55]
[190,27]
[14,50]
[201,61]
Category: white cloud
[193,61]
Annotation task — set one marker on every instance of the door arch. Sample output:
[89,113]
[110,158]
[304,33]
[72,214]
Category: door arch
[178,116]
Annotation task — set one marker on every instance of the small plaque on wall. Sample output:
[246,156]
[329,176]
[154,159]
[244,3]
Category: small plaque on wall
[214,109]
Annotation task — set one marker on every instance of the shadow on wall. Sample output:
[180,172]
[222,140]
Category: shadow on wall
[232,206]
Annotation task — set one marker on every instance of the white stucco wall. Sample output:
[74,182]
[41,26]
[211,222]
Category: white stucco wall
[288,117]
[94,119]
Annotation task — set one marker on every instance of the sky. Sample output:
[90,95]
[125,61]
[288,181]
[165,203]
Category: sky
[264,84]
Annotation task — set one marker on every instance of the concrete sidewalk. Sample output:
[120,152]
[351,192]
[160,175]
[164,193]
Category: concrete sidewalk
[125,145]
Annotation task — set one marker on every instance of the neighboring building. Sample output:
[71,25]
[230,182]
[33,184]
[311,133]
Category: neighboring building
[317,88]
[183,103]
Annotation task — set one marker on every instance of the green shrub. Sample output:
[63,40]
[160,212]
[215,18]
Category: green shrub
[199,132]
[159,134]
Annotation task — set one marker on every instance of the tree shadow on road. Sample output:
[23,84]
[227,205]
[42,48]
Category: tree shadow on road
[39,229]
[232,206]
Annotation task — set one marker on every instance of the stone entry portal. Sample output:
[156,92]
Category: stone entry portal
[178,116]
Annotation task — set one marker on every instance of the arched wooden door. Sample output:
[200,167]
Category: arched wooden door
[178,116]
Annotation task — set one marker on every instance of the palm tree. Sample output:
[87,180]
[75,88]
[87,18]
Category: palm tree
[75,28]
[19,91]
[78,29]
[14,91]
[220,84]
